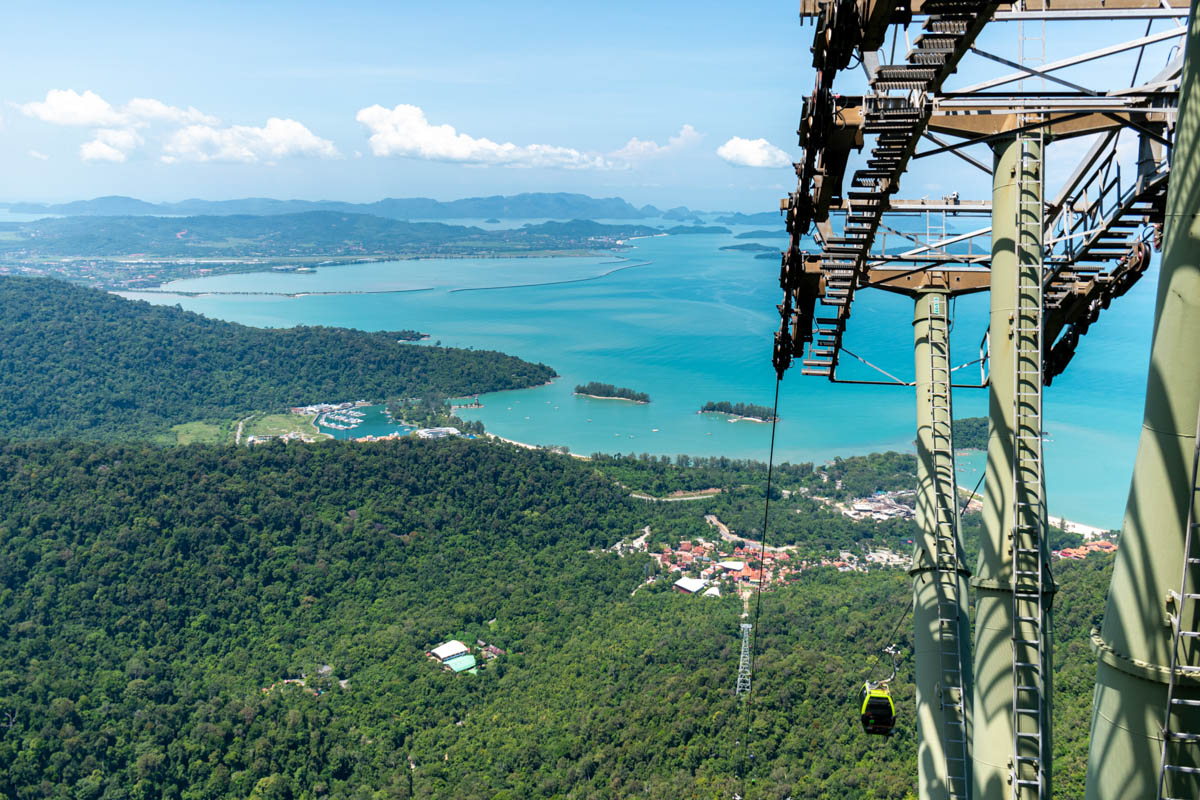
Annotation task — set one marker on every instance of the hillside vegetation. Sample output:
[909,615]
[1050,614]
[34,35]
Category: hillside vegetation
[971,433]
[150,596]
[83,363]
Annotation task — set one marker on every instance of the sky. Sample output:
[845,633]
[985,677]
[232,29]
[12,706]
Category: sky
[667,103]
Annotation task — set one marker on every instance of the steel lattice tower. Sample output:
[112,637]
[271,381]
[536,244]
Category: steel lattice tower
[743,678]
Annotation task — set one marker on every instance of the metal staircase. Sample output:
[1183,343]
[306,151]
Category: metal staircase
[947,556]
[947,33]
[1179,770]
[1030,577]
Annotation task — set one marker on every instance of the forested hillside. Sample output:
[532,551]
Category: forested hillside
[313,233]
[86,364]
[148,596]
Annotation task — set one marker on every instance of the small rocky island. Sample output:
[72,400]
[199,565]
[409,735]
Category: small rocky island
[739,411]
[606,391]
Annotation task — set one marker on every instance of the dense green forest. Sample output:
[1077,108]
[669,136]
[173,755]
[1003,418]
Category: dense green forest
[971,433]
[150,595]
[608,390]
[739,410]
[87,364]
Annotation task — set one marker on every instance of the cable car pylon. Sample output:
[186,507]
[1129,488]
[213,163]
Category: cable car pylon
[942,646]
[743,676]
[1079,250]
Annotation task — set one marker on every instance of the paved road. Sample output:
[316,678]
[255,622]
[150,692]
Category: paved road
[729,536]
[640,496]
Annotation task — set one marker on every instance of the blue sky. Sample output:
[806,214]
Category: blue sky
[667,103]
[587,78]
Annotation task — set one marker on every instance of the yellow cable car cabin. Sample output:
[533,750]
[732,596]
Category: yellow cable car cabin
[878,712]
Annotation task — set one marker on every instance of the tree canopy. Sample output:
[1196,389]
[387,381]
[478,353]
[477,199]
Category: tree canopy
[153,600]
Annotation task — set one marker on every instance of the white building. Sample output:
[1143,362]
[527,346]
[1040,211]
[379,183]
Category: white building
[448,650]
[690,585]
[437,433]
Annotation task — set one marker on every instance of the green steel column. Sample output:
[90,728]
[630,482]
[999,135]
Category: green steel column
[943,768]
[991,720]
[1134,643]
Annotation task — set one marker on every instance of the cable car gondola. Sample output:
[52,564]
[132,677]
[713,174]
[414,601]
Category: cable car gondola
[877,711]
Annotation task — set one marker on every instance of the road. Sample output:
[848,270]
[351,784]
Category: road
[641,496]
[729,536]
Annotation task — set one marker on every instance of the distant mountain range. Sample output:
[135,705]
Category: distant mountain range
[557,205]
[548,205]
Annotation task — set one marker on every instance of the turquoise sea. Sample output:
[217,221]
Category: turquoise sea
[687,323]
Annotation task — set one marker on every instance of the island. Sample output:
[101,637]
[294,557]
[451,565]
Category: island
[144,252]
[775,234]
[752,247]
[739,411]
[606,391]
[491,221]
[970,433]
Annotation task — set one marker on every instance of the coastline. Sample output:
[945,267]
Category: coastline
[738,418]
[1088,532]
[622,399]
[528,446]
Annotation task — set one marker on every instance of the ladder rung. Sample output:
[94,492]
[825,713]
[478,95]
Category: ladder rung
[1188,670]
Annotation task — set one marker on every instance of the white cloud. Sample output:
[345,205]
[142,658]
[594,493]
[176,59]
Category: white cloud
[147,108]
[38,155]
[110,144]
[279,138]
[97,150]
[190,134]
[404,131]
[636,149]
[68,107]
[753,153]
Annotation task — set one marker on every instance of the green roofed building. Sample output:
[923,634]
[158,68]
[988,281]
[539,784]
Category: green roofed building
[460,663]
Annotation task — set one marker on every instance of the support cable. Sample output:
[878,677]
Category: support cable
[974,492]
[761,571]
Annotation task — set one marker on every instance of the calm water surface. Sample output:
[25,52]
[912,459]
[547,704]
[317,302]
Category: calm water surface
[695,324]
